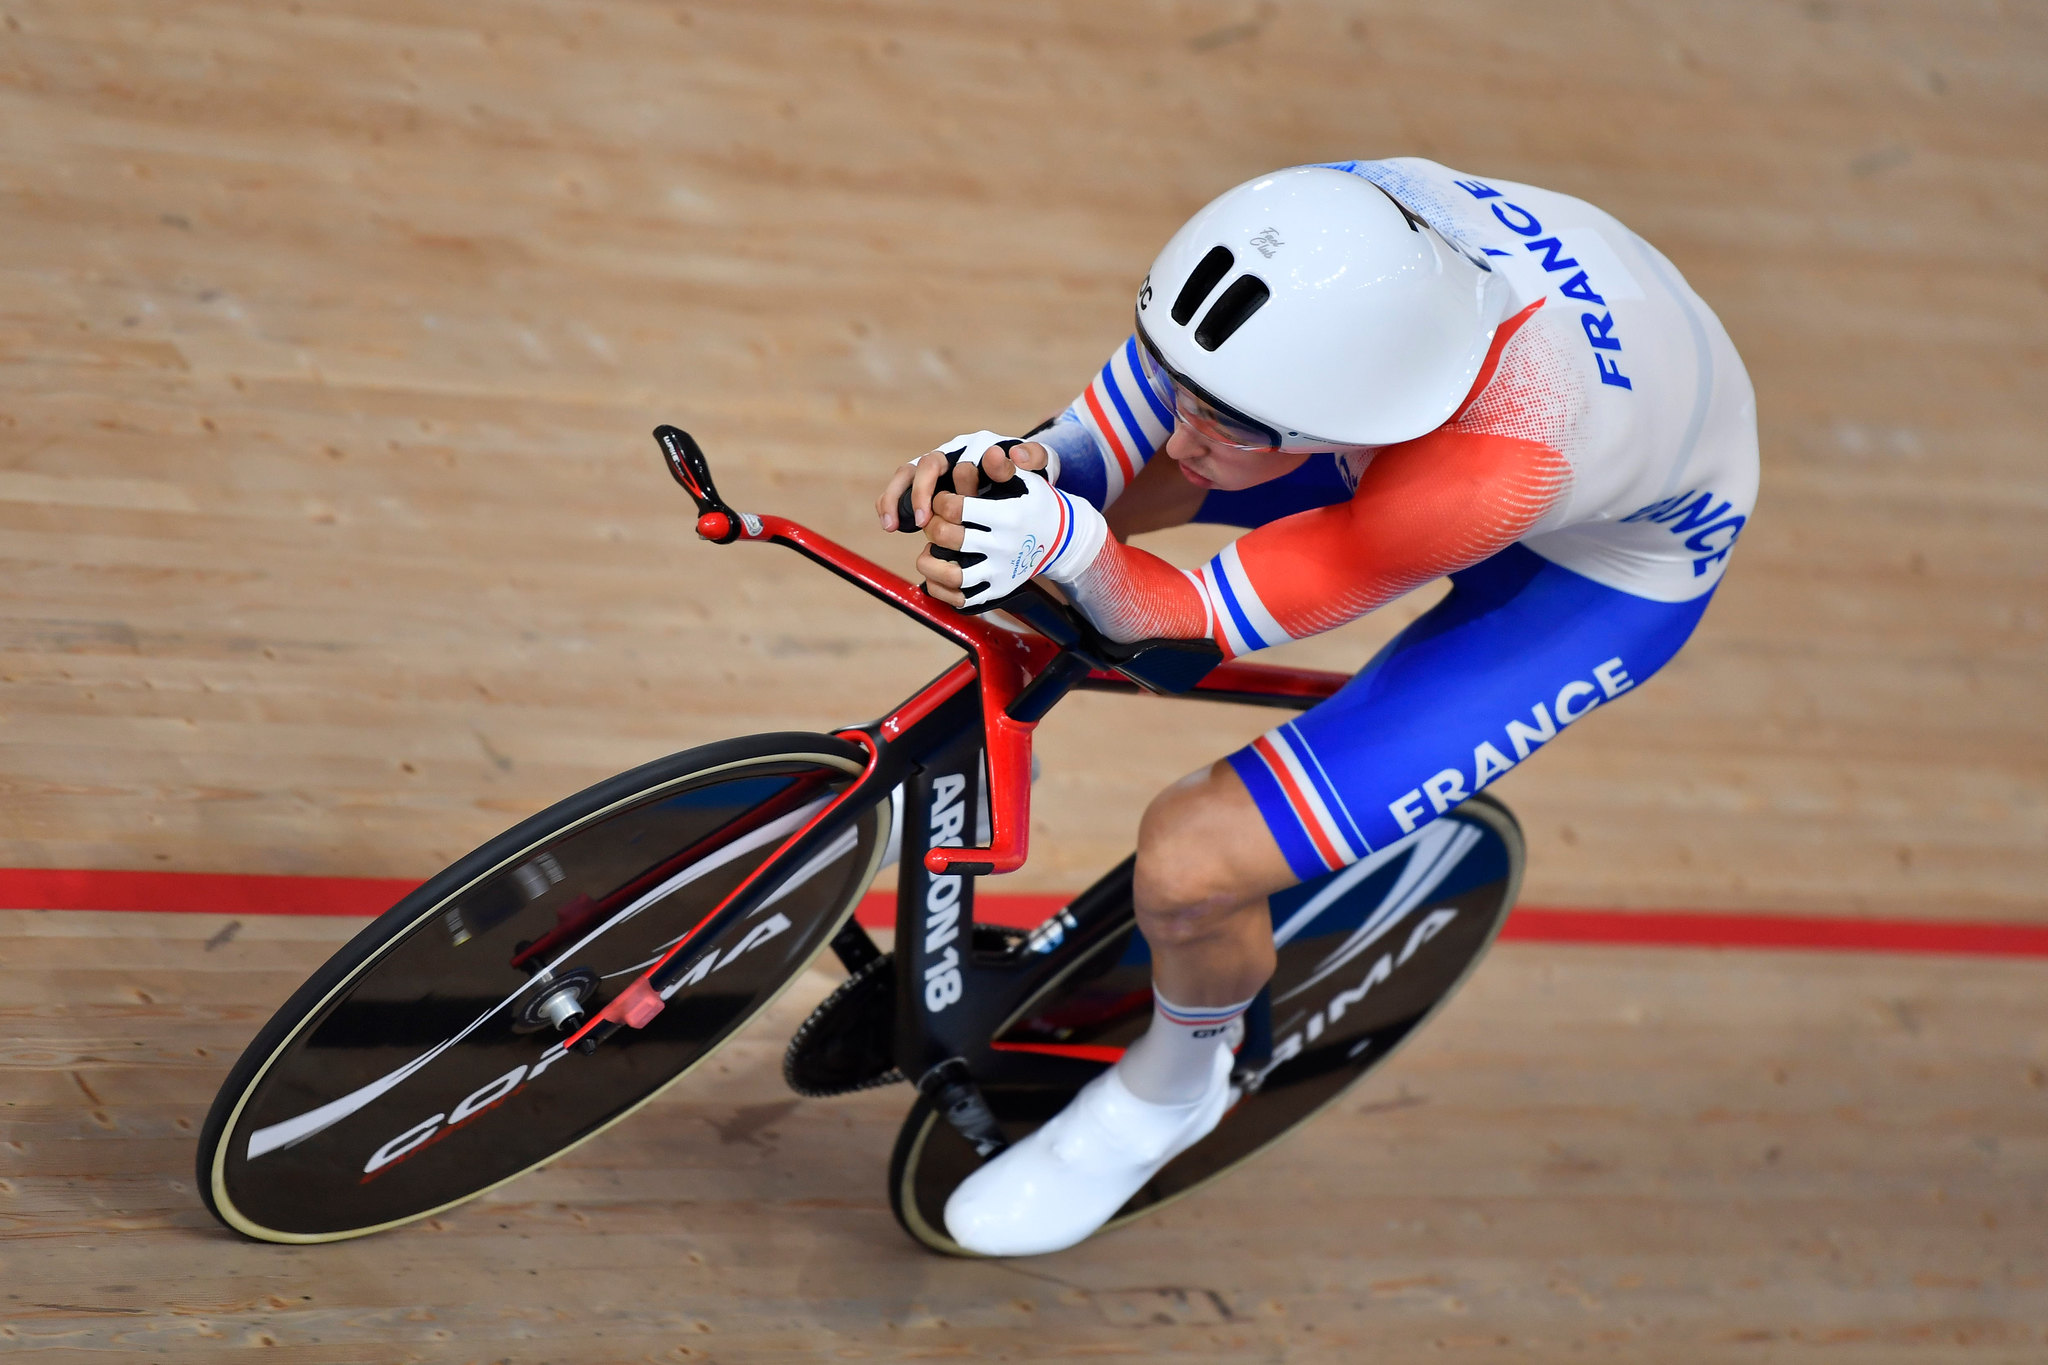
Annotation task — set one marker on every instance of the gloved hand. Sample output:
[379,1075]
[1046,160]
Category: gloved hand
[970,448]
[907,496]
[1024,528]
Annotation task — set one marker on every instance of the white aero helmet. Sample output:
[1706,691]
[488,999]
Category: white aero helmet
[1310,308]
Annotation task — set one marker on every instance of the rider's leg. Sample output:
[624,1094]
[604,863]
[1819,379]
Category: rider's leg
[1205,867]
[1206,864]
[1519,650]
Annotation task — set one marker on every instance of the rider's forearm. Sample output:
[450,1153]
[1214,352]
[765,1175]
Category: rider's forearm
[1105,436]
[1128,594]
[1422,510]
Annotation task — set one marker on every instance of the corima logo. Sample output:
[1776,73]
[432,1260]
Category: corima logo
[1335,1007]
[942,898]
[485,1098]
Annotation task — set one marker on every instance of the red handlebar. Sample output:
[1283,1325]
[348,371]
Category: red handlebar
[1004,661]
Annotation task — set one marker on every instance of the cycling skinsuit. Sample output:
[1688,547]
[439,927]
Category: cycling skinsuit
[1583,501]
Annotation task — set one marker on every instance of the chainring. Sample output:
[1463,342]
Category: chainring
[848,1043]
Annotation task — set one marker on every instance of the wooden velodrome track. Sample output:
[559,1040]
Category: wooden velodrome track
[333,542]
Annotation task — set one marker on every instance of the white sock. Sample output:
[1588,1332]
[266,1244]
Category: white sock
[1174,1061]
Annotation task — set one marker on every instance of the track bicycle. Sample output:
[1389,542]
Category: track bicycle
[545,986]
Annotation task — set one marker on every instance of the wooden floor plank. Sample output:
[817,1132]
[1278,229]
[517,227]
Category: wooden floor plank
[1693,1153]
[332,542]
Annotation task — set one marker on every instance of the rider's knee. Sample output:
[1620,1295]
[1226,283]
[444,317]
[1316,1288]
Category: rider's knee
[1183,886]
[1167,922]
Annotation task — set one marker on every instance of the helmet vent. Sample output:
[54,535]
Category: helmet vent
[1246,295]
[1201,280]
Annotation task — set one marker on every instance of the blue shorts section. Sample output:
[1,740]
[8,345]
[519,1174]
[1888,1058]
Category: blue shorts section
[1316,482]
[1519,650]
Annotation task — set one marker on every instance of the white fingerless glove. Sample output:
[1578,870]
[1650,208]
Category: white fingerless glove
[1020,536]
[970,448]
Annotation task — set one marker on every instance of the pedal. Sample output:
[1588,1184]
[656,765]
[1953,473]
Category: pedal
[951,1090]
[849,1042]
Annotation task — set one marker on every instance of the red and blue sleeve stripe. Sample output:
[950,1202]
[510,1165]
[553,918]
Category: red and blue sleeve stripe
[1126,416]
[1060,537]
[1243,621]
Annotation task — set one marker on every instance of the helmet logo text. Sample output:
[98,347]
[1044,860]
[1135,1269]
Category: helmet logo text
[1268,242]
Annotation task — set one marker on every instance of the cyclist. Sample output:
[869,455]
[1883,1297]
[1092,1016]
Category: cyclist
[1389,371]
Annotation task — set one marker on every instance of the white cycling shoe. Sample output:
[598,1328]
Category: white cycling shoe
[1070,1177]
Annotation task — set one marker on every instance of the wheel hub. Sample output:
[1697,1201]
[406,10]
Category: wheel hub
[555,1000]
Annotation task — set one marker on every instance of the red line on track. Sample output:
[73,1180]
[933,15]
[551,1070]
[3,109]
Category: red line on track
[213,893]
[1825,933]
[199,893]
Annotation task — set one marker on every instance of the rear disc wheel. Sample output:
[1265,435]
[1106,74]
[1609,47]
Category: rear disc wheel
[1366,955]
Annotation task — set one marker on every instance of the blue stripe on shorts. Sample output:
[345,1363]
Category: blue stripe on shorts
[1292,835]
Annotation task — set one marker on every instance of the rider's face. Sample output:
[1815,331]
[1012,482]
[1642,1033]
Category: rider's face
[1208,463]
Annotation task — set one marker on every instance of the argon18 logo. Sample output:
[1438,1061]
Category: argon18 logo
[942,897]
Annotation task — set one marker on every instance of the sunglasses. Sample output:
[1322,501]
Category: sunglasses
[1214,420]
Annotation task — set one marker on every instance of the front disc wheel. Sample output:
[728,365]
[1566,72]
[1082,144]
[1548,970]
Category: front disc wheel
[423,1064]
